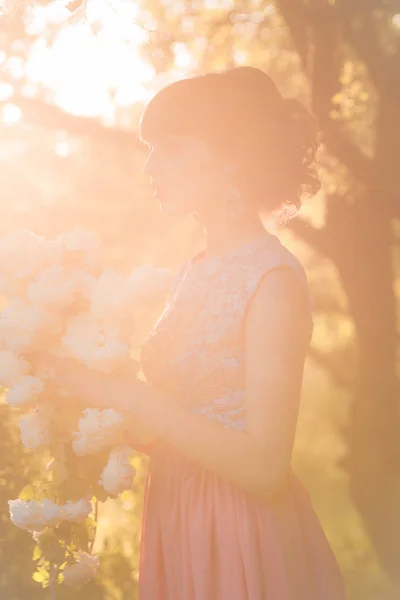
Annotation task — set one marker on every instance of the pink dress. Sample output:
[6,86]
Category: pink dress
[204,538]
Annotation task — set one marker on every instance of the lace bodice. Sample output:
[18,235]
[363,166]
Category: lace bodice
[195,352]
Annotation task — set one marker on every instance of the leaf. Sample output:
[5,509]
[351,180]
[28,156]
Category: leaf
[80,536]
[41,575]
[57,471]
[51,547]
[37,553]
[54,552]
[30,492]
[76,488]
[38,576]
[51,489]
[63,531]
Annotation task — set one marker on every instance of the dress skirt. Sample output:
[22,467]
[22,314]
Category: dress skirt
[206,539]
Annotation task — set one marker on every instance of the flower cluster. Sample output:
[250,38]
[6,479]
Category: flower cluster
[82,570]
[97,430]
[58,301]
[25,392]
[118,474]
[12,368]
[35,429]
[34,515]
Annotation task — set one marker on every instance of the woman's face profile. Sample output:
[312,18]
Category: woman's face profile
[184,174]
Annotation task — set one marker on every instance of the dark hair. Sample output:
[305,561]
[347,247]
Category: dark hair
[241,113]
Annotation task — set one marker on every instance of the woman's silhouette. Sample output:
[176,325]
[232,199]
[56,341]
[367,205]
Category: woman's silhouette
[225,516]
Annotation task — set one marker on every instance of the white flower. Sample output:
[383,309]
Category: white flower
[51,253]
[76,511]
[35,430]
[26,391]
[55,286]
[80,247]
[95,343]
[109,295]
[83,570]
[34,515]
[97,429]
[12,368]
[20,324]
[118,474]
[147,285]
[21,254]
[44,371]
[86,282]
[9,286]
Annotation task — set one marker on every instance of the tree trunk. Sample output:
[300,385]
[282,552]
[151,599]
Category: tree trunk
[373,460]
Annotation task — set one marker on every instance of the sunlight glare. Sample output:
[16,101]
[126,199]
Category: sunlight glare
[396,20]
[240,56]
[91,72]
[183,58]
[40,17]
[6,91]
[11,113]
[62,148]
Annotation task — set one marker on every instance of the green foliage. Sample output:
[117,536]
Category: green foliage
[17,468]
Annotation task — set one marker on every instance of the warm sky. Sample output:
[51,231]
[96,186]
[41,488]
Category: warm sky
[82,66]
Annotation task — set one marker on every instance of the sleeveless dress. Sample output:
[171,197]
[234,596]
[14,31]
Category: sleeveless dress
[204,538]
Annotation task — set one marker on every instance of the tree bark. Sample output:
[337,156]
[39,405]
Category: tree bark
[365,265]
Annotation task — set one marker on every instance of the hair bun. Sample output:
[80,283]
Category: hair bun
[296,108]
[255,85]
[304,123]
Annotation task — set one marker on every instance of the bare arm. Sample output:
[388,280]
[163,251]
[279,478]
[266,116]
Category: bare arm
[276,342]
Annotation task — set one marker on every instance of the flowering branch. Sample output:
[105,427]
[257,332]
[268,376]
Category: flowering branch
[64,308]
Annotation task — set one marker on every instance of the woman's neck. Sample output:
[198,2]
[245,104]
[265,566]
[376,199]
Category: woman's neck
[225,236]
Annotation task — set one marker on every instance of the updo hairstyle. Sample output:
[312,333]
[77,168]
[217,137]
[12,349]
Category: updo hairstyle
[240,112]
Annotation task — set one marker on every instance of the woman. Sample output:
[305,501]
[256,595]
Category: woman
[225,516]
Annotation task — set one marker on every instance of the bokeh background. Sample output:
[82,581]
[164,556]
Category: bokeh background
[73,80]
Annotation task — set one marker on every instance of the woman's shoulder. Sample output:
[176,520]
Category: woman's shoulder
[240,268]
[271,255]
[263,266]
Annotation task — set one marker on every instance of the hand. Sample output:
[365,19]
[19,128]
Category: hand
[74,379]
[117,389]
